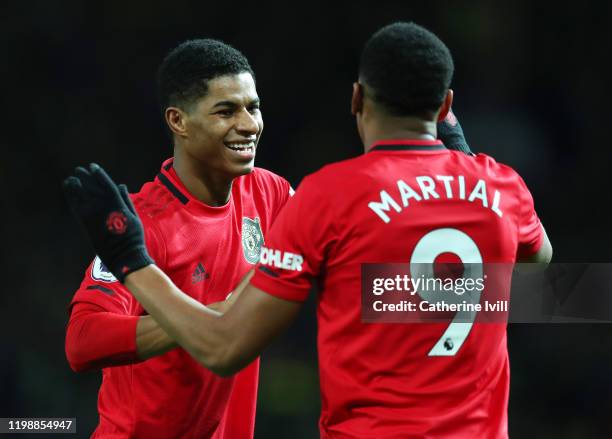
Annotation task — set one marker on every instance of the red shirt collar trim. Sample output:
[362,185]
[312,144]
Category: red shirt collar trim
[168,177]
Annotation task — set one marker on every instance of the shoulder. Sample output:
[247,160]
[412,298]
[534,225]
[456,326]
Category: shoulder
[486,161]
[330,186]
[483,164]
[156,208]
[152,200]
[338,172]
[262,190]
[263,183]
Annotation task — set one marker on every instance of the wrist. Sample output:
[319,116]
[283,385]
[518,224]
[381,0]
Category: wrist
[131,261]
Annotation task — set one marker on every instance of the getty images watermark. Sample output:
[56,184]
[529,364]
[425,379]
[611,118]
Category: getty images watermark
[486,293]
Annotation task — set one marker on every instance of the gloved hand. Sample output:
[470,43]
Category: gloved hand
[107,213]
[451,134]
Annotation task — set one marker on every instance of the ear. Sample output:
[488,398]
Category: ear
[176,120]
[446,105]
[357,99]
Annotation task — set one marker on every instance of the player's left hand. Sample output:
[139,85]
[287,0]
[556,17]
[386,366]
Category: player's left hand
[451,134]
[109,218]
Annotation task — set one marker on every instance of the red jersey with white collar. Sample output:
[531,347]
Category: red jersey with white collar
[383,381]
[205,251]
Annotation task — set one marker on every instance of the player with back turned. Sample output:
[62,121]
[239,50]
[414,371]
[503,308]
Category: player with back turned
[204,217]
[377,380]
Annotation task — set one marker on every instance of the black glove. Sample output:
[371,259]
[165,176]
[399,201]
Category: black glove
[451,134]
[107,213]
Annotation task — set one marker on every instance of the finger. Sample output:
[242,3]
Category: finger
[123,191]
[79,170]
[88,182]
[82,174]
[103,179]
[73,191]
[100,175]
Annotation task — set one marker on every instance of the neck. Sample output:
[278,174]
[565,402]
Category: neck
[405,128]
[210,188]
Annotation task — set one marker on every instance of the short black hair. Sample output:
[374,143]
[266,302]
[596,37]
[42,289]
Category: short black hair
[407,69]
[183,75]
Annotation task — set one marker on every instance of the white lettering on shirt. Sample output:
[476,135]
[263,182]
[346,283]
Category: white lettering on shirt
[382,206]
[279,259]
[432,189]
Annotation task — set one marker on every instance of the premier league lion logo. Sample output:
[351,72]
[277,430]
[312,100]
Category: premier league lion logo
[252,239]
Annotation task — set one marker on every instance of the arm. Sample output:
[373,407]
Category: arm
[223,343]
[543,255]
[534,250]
[98,338]
[152,340]
[538,261]
[229,301]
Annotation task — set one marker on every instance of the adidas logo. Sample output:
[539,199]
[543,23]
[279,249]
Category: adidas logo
[199,274]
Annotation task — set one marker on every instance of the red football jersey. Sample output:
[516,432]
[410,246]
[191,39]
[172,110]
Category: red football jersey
[392,380]
[206,251]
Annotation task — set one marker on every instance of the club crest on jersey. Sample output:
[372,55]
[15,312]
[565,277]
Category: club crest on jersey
[100,273]
[252,239]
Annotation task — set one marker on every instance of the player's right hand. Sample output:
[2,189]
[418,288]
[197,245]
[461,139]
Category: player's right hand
[109,218]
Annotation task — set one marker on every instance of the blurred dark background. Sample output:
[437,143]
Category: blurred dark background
[77,78]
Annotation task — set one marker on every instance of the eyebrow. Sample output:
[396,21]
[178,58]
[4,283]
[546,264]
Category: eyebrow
[233,104]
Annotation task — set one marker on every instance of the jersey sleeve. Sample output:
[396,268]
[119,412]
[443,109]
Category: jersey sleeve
[285,192]
[96,338]
[99,286]
[298,241]
[530,231]
[101,331]
[282,192]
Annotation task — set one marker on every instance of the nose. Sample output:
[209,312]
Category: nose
[247,123]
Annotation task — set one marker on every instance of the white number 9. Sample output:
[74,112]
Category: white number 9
[425,252]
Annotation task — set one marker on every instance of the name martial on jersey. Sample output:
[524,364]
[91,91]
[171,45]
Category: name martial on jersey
[436,187]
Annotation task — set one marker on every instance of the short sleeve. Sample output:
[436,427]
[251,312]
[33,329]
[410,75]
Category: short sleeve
[530,232]
[297,244]
[284,194]
[280,189]
[100,287]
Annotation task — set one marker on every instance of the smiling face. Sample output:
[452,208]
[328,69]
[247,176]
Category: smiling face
[221,130]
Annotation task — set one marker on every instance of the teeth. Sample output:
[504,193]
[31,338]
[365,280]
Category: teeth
[241,146]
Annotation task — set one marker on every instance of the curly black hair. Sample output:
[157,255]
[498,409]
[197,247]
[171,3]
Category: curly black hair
[407,69]
[183,75]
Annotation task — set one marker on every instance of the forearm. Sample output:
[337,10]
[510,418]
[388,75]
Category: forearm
[195,327]
[117,234]
[151,339]
[224,306]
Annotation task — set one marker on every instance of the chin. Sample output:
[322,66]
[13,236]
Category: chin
[247,170]
[243,169]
